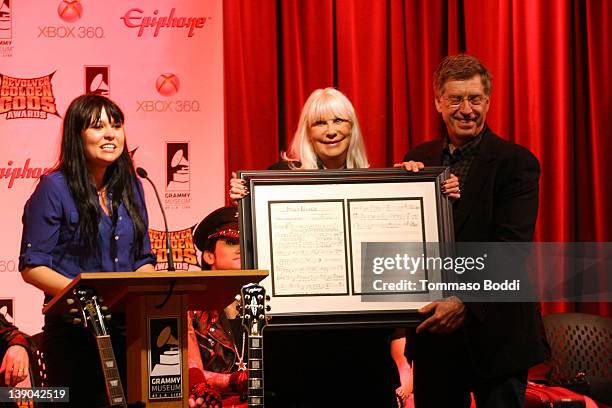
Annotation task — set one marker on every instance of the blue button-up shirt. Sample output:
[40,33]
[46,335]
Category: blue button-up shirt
[50,233]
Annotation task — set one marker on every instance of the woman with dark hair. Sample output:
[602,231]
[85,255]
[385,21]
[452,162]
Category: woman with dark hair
[87,214]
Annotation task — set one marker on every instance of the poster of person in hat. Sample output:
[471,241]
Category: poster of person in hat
[216,344]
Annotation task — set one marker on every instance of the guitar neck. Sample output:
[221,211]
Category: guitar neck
[114,389]
[256,382]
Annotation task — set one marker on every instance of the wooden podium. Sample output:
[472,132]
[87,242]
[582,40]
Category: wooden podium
[163,294]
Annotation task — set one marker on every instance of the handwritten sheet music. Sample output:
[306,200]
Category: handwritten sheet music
[383,220]
[386,220]
[308,248]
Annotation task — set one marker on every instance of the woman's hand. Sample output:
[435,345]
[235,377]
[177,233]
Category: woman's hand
[450,187]
[402,398]
[239,381]
[237,189]
[203,396]
[15,365]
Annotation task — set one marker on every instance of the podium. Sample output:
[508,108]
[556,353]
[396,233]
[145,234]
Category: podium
[156,296]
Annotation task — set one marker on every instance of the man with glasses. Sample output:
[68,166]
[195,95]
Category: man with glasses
[480,347]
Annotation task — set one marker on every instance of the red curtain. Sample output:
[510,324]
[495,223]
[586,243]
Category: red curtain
[551,86]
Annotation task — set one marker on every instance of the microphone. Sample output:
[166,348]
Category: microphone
[142,173]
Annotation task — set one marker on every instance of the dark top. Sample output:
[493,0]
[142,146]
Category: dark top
[500,200]
[50,236]
[10,336]
[219,340]
[281,165]
[461,158]
[284,165]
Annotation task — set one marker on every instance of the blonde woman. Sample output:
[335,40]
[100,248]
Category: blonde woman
[350,367]
[328,136]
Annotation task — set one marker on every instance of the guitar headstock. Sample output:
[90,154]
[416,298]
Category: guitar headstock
[90,310]
[253,308]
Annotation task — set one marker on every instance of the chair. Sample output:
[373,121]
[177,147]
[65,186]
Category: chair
[581,353]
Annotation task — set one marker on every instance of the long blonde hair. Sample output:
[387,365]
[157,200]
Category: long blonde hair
[323,103]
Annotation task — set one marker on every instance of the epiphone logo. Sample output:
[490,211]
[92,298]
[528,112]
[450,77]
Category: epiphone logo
[26,172]
[134,18]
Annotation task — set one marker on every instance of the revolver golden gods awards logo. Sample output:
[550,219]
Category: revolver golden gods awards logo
[184,253]
[27,98]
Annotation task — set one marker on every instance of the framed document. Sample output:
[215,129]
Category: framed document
[330,237]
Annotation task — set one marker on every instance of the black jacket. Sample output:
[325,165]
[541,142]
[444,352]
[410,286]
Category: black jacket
[499,202]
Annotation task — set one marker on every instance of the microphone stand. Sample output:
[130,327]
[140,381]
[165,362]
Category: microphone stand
[143,174]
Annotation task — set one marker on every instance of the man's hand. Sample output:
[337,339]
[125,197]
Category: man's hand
[450,186]
[410,166]
[448,316]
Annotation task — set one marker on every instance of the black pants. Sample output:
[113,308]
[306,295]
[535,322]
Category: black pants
[443,378]
[72,360]
[329,368]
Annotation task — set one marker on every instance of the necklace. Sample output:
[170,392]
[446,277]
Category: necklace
[242,366]
[105,201]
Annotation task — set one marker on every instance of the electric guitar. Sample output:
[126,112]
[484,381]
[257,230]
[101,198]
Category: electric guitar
[253,312]
[91,316]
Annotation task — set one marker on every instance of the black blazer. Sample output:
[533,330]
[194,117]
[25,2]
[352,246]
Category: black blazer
[499,202]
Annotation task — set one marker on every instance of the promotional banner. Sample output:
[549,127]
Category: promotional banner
[162,62]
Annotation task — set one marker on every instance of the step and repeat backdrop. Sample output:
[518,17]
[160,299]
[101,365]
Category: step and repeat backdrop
[162,62]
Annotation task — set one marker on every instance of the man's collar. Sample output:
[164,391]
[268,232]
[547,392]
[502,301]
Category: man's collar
[450,147]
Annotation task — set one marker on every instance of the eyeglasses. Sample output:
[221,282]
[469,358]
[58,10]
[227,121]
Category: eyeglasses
[473,100]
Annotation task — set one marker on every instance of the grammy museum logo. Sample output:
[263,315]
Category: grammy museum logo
[178,176]
[97,80]
[6,29]
[164,376]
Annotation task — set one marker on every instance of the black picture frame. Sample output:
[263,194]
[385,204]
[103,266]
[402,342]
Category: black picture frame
[289,187]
